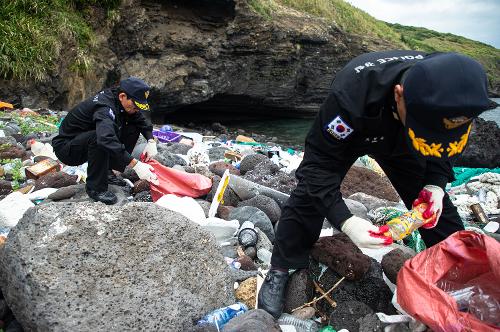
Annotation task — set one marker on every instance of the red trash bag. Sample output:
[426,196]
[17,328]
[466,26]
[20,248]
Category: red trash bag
[437,285]
[177,182]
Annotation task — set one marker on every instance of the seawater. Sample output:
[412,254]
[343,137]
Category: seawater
[292,132]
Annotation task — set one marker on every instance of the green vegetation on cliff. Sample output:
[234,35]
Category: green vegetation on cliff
[32,34]
[358,22]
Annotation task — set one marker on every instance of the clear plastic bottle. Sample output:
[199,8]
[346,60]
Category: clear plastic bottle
[402,226]
[219,317]
[301,325]
[485,307]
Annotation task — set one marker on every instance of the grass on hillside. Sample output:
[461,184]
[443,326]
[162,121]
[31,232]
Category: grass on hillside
[356,21]
[32,34]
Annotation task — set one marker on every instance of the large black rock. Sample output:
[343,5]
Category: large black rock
[483,148]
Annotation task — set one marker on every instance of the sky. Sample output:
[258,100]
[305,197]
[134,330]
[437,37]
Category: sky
[474,19]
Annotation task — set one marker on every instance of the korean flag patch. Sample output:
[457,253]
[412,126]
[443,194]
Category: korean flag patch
[338,128]
[111,114]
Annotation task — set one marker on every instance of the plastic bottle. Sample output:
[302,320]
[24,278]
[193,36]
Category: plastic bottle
[301,325]
[328,328]
[219,317]
[402,226]
[486,308]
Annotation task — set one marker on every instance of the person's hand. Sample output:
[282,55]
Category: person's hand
[146,172]
[150,150]
[433,196]
[364,234]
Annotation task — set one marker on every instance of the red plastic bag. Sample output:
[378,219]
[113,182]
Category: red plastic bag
[467,259]
[178,183]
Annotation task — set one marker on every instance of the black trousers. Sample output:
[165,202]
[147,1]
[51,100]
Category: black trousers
[83,148]
[300,224]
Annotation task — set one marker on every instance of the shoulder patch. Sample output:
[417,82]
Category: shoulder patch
[338,128]
[111,114]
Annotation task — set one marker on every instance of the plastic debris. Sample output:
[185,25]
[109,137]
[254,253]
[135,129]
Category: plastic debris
[221,316]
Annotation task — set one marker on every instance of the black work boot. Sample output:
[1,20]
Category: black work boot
[107,197]
[113,179]
[272,292]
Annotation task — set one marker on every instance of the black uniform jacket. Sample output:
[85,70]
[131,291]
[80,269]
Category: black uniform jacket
[359,117]
[104,114]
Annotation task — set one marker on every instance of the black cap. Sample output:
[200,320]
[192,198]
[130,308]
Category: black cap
[442,94]
[138,90]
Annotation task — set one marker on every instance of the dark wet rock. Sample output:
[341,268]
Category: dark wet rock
[218,128]
[66,260]
[252,321]
[356,208]
[249,162]
[55,180]
[251,252]
[347,314]
[304,313]
[20,138]
[189,169]
[370,323]
[9,140]
[5,187]
[144,196]
[177,148]
[229,251]
[247,263]
[169,159]
[240,275]
[266,205]
[229,198]
[224,211]
[217,153]
[339,253]
[370,290]
[263,241]
[267,174]
[223,137]
[130,174]
[63,193]
[371,202]
[14,326]
[40,158]
[299,290]
[8,151]
[361,179]
[140,186]
[392,262]
[375,270]
[219,167]
[203,170]
[483,147]
[256,216]
[4,309]
[204,328]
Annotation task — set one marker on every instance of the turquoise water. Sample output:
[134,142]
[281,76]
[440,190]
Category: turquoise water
[292,132]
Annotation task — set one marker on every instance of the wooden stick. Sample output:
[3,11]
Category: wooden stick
[322,296]
[322,292]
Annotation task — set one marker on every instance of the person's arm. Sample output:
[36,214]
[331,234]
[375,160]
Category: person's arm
[106,136]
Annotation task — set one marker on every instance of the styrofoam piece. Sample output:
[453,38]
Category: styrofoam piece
[186,206]
[492,227]
[12,208]
[41,194]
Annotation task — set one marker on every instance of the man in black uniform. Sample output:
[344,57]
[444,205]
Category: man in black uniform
[412,113]
[103,130]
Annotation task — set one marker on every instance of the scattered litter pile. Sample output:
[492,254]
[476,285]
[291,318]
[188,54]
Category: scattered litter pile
[191,261]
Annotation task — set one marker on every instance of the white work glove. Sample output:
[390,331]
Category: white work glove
[150,150]
[146,172]
[433,196]
[364,234]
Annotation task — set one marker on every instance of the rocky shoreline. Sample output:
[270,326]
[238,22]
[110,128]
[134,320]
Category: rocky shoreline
[71,264]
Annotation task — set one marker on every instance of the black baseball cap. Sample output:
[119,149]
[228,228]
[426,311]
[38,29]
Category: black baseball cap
[442,94]
[138,90]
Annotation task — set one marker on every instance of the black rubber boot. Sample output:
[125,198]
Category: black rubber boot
[272,293]
[106,197]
